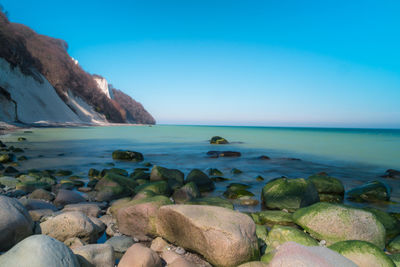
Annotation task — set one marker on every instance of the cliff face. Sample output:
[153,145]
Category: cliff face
[45,60]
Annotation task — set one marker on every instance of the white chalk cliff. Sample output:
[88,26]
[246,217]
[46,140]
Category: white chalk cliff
[103,86]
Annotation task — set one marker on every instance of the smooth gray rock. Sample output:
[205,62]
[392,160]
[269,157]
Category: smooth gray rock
[39,251]
[65,197]
[15,222]
[37,204]
[121,243]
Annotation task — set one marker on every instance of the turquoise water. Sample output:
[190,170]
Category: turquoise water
[353,155]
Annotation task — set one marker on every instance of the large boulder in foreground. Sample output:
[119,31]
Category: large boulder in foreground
[292,254]
[127,155]
[15,222]
[69,225]
[39,251]
[362,253]
[290,194]
[335,222]
[224,237]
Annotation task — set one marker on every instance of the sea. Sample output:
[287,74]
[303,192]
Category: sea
[355,156]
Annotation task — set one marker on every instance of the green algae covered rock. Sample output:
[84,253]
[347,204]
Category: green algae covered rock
[174,177]
[185,193]
[211,201]
[7,158]
[31,186]
[394,245]
[291,194]
[114,186]
[396,259]
[127,155]
[203,182]
[237,191]
[93,173]
[118,171]
[362,253]
[272,217]
[158,187]
[335,222]
[391,224]
[8,181]
[280,234]
[262,234]
[218,140]
[329,188]
[236,171]
[374,191]
[214,172]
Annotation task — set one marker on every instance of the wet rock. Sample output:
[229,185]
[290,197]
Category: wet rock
[374,191]
[90,209]
[174,177]
[259,178]
[127,155]
[278,235]
[290,194]
[95,255]
[185,193]
[264,157]
[140,213]
[396,259]
[394,245]
[219,179]
[272,217]
[392,174]
[227,154]
[65,197]
[15,222]
[214,172]
[63,173]
[329,188]
[293,254]
[120,244]
[20,139]
[113,186]
[41,194]
[10,171]
[140,256]
[237,193]
[391,224]
[158,188]
[118,171]
[218,140]
[8,181]
[37,204]
[31,186]
[211,201]
[7,158]
[71,224]
[362,253]
[203,182]
[334,223]
[22,158]
[93,173]
[224,237]
[236,171]
[262,234]
[39,251]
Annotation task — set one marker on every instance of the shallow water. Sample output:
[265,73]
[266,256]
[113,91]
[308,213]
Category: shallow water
[353,155]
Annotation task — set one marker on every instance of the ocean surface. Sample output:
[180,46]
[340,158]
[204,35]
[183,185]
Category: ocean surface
[353,155]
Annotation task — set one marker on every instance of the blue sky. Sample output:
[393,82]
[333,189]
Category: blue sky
[249,62]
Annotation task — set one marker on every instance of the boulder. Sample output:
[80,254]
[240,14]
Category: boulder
[8,181]
[158,188]
[362,253]
[335,222]
[30,186]
[120,244]
[65,197]
[127,155]
[7,158]
[374,191]
[42,194]
[214,172]
[174,177]
[272,217]
[237,191]
[187,192]
[37,215]
[279,234]
[211,201]
[392,174]
[140,256]
[71,224]
[203,182]
[218,140]
[394,245]
[90,209]
[292,254]
[15,222]
[159,245]
[95,254]
[224,237]
[140,213]
[290,194]
[391,224]
[226,154]
[329,188]
[113,186]
[39,251]
[37,204]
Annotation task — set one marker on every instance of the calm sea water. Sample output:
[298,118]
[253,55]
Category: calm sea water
[352,155]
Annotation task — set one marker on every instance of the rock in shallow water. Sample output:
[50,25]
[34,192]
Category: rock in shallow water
[127,155]
[334,223]
[203,182]
[15,222]
[39,251]
[374,191]
[224,237]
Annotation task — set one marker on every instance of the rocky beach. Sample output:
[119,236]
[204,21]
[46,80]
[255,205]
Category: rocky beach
[150,215]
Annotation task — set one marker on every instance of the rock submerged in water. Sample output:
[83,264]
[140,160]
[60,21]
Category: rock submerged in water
[329,188]
[174,177]
[15,223]
[392,174]
[290,194]
[374,191]
[127,155]
[39,251]
[362,253]
[218,140]
[335,222]
[224,237]
[226,154]
[203,182]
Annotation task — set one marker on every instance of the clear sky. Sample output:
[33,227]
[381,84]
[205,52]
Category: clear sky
[284,62]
